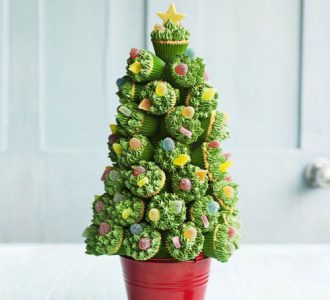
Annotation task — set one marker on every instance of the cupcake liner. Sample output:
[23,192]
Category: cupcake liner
[148,152]
[121,251]
[166,50]
[205,123]
[149,126]
[157,68]
[208,248]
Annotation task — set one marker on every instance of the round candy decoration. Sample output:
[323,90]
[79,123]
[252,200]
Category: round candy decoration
[143,181]
[190,53]
[144,243]
[231,232]
[154,215]
[99,206]
[126,213]
[176,206]
[118,198]
[134,53]
[161,89]
[181,69]
[190,234]
[139,170]
[213,207]
[208,94]
[113,138]
[181,160]
[228,191]
[114,175]
[135,143]
[214,144]
[188,112]
[168,144]
[185,184]
[136,229]
[104,228]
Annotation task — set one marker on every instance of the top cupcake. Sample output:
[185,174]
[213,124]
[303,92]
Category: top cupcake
[170,38]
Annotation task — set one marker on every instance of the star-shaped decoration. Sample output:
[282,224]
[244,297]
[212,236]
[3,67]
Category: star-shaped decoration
[172,15]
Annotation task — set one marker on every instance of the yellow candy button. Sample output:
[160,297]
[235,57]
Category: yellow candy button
[114,128]
[208,94]
[190,233]
[154,215]
[143,181]
[135,67]
[188,112]
[161,89]
[117,148]
[225,166]
[126,213]
[228,191]
[181,160]
[201,174]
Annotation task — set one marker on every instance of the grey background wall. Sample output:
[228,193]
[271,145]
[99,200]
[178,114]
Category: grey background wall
[58,64]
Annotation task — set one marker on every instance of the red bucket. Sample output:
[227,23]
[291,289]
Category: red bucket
[165,279]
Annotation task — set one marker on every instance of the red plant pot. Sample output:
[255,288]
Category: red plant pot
[166,279]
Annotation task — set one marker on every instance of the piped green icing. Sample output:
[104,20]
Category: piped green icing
[165,158]
[218,192]
[202,107]
[215,127]
[199,209]
[198,187]
[102,207]
[156,180]
[131,243]
[114,184]
[195,74]
[108,244]
[130,90]
[189,249]
[175,120]
[169,218]
[131,156]
[170,32]
[160,105]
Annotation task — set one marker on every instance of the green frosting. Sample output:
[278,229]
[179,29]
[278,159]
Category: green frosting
[219,188]
[171,208]
[194,76]
[155,180]
[165,158]
[160,105]
[170,32]
[130,156]
[102,207]
[213,158]
[151,66]
[232,221]
[131,243]
[174,121]
[129,203]
[203,108]
[189,249]
[130,90]
[199,210]
[198,187]
[218,244]
[114,182]
[215,127]
[107,244]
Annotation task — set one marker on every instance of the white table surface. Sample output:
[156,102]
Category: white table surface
[63,271]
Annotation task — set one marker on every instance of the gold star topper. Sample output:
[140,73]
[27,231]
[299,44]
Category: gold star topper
[172,15]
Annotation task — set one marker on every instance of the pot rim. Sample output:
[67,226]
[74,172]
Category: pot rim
[198,258]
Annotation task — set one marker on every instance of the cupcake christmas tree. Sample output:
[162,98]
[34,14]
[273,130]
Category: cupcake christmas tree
[168,193]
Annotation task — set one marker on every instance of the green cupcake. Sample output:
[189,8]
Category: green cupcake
[171,155]
[234,227]
[133,121]
[183,72]
[145,180]
[142,242]
[102,207]
[204,98]
[209,156]
[169,40]
[131,151]
[166,211]
[114,181]
[183,125]
[128,209]
[142,66]
[215,127]
[218,243]
[105,239]
[130,90]
[190,183]
[226,193]
[204,212]
[186,242]
[158,97]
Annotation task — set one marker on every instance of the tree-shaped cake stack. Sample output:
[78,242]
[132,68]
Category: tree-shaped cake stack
[168,193]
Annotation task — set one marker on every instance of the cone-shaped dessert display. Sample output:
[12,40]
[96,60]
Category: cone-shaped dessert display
[167,192]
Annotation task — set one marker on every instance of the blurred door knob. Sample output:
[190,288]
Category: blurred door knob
[317,173]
